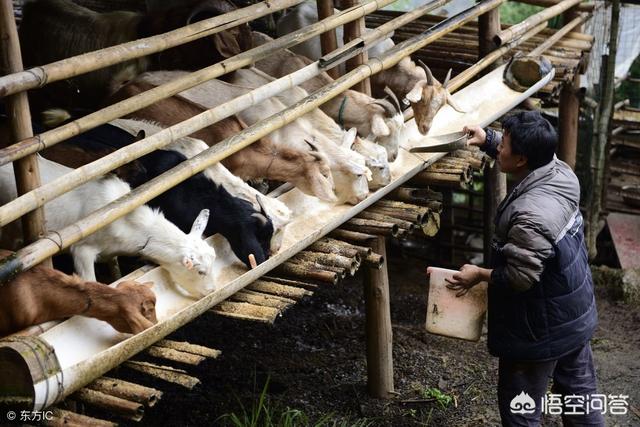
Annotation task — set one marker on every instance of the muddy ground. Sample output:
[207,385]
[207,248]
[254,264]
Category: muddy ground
[314,360]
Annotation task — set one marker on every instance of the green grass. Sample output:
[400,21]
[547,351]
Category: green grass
[265,413]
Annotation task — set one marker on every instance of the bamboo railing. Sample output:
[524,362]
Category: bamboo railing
[91,61]
[53,189]
[54,242]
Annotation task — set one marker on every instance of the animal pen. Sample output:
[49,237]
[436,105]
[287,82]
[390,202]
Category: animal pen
[323,243]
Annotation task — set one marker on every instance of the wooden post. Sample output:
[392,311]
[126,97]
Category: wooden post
[602,130]
[328,40]
[569,108]
[26,169]
[378,326]
[495,182]
[353,30]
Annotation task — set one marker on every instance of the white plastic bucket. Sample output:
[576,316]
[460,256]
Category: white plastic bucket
[452,316]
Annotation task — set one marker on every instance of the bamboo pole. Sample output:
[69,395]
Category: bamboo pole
[246,311]
[26,171]
[495,182]
[121,407]
[279,289]
[126,390]
[258,298]
[372,227]
[186,347]
[243,59]
[328,40]
[407,225]
[175,355]
[533,21]
[582,7]
[292,283]
[352,236]
[334,260]
[378,327]
[579,20]
[165,373]
[325,246]
[352,31]
[91,61]
[305,273]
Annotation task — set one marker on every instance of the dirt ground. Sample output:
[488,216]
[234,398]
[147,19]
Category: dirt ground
[314,360]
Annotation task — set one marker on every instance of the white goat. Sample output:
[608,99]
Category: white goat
[350,178]
[143,231]
[371,156]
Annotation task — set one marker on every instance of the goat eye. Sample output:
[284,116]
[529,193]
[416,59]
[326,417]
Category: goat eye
[202,273]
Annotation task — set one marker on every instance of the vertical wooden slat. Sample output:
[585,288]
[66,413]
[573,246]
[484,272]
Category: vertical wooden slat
[26,169]
[378,326]
[353,30]
[495,182]
[328,40]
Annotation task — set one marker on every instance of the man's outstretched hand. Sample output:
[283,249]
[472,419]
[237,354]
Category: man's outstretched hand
[477,135]
[468,276]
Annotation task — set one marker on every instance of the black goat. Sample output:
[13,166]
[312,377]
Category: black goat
[247,230]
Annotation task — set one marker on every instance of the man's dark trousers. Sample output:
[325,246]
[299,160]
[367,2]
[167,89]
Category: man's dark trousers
[572,374]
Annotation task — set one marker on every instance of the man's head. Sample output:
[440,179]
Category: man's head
[529,142]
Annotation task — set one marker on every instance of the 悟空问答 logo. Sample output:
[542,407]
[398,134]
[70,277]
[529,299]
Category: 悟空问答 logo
[522,404]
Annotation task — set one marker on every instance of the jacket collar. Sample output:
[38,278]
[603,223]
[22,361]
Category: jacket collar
[529,181]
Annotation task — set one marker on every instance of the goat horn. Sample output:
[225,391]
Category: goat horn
[313,147]
[430,79]
[252,261]
[393,96]
[262,209]
[446,79]
[389,109]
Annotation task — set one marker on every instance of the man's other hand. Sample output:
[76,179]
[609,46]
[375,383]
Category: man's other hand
[468,276]
[477,135]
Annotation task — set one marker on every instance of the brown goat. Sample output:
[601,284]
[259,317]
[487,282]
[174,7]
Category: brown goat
[42,294]
[52,30]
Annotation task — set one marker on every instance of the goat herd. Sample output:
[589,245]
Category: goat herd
[336,153]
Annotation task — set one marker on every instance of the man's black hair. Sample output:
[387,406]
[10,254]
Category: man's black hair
[531,136]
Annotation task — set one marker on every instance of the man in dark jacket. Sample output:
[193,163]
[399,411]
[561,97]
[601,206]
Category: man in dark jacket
[542,310]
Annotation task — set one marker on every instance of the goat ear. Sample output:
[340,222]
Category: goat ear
[226,44]
[379,127]
[349,137]
[454,104]
[200,223]
[446,79]
[322,189]
[263,219]
[148,284]
[415,94]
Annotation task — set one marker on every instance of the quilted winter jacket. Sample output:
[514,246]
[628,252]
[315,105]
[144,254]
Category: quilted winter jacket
[541,300]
